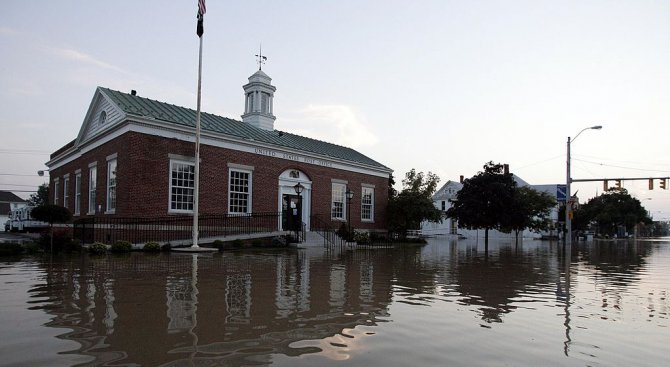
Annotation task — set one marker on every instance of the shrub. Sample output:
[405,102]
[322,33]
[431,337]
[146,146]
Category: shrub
[362,238]
[344,233]
[166,247]
[238,243]
[98,248]
[151,246]
[121,247]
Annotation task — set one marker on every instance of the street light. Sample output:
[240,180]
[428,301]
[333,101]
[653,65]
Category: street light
[350,195]
[568,197]
[41,172]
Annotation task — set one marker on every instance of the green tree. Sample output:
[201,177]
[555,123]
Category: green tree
[530,210]
[414,204]
[485,200]
[610,210]
[51,214]
[41,197]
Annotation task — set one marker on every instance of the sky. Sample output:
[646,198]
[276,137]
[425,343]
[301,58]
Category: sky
[440,86]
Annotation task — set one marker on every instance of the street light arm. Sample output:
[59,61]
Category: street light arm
[596,127]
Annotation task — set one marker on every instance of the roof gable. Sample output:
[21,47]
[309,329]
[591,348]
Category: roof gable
[102,114]
[10,197]
[448,190]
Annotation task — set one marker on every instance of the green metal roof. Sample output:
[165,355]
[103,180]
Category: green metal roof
[169,113]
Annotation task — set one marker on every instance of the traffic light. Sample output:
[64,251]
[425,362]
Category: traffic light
[651,184]
[618,184]
[662,184]
[605,185]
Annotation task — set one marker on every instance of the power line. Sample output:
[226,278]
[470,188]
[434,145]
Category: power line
[540,162]
[621,161]
[18,174]
[624,167]
[26,151]
[8,184]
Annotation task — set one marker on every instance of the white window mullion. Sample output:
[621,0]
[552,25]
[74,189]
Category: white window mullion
[111,186]
[239,191]
[182,186]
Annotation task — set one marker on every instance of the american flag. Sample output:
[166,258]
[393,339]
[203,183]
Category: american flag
[200,29]
[202,9]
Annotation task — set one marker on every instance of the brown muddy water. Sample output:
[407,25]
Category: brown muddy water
[444,304]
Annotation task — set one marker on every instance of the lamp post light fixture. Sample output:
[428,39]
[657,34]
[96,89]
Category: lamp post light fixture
[41,172]
[298,190]
[350,195]
[568,195]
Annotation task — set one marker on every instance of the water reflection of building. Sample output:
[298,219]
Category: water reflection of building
[158,310]
[240,309]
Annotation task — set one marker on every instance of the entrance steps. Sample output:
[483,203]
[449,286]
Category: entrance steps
[312,239]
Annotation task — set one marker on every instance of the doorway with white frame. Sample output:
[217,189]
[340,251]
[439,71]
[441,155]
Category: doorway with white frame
[295,194]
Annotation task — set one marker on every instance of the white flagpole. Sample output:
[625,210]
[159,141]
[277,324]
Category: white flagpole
[196,191]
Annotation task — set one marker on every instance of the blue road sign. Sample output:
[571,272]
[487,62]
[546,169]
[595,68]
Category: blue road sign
[560,192]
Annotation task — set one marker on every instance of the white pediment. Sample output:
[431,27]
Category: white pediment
[102,114]
[448,191]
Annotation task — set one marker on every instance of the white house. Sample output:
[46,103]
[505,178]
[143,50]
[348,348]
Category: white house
[444,197]
[9,201]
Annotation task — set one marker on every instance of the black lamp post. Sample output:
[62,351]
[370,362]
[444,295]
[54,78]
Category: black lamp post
[298,190]
[350,195]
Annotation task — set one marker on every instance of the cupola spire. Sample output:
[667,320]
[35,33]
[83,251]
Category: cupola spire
[259,98]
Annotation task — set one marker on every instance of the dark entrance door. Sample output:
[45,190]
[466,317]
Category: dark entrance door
[291,212]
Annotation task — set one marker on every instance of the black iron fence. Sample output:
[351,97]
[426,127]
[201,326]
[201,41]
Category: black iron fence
[171,228]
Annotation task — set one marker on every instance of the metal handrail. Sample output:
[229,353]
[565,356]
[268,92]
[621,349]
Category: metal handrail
[325,230]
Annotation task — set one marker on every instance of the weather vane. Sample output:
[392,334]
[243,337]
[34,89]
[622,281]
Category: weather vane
[261,58]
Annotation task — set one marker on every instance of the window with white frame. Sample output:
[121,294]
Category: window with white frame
[56,191]
[111,185]
[92,179]
[239,192]
[337,201]
[66,190]
[182,186]
[77,194]
[367,204]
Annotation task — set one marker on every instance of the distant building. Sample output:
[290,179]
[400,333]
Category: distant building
[135,157]
[9,201]
[444,197]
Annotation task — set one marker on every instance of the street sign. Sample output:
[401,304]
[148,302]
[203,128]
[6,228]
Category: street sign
[561,192]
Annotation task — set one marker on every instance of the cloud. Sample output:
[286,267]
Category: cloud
[74,55]
[8,31]
[339,124]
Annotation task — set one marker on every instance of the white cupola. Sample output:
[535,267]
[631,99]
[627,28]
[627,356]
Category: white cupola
[258,97]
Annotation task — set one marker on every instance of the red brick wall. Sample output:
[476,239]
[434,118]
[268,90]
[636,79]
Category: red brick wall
[143,174]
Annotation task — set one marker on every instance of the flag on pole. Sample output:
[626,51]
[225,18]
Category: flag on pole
[202,9]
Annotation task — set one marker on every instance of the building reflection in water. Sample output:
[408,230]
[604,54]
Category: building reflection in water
[239,308]
[243,308]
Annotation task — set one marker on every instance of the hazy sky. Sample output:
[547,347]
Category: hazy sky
[441,86]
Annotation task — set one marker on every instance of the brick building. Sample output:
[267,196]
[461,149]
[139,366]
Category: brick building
[134,158]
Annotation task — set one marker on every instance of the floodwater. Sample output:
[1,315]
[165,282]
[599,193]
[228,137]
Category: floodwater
[444,304]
